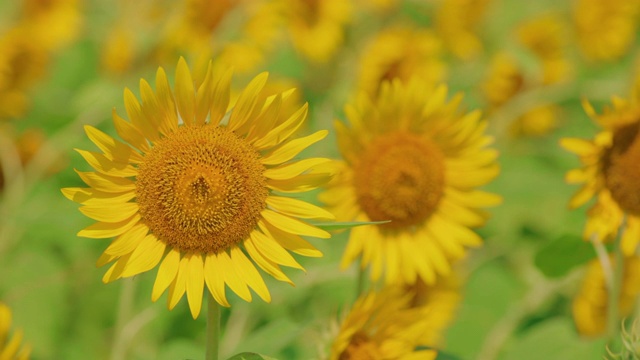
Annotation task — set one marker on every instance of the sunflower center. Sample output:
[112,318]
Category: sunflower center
[400,178]
[201,189]
[621,168]
[360,348]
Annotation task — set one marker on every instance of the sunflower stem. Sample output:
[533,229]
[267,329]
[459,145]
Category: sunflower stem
[125,309]
[213,328]
[617,271]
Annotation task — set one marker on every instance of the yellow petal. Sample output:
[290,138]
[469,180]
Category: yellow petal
[578,146]
[185,93]
[293,226]
[115,271]
[249,273]
[106,165]
[267,119]
[267,265]
[90,196]
[178,285]
[282,131]
[113,148]
[102,230]
[300,183]
[232,277]
[271,250]
[195,283]
[153,111]
[297,208]
[129,133]
[112,213]
[220,98]
[134,111]
[214,279]
[166,273]
[289,241]
[165,100]
[106,183]
[145,257]
[288,171]
[247,102]
[203,98]
[128,241]
[292,148]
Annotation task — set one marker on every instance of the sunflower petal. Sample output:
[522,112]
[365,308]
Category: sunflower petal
[107,166]
[292,148]
[247,102]
[273,251]
[145,257]
[288,171]
[103,230]
[113,148]
[297,208]
[167,272]
[106,183]
[111,213]
[214,279]
[185,93]
[128,241]
[293,226]
[232,277]
[195,283]
[178,285]
[248,272]
[265,264]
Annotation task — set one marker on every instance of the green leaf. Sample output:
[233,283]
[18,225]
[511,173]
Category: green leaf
[250,356]
[560,256]
[347,225]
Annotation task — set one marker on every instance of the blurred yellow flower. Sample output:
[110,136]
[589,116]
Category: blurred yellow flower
[380,326]
[457,22]
[11,347]
[22,63]
[193,190]
[118,52]
[401,52]
[605,29]
[610,174]
[317,27]
[590,304]
[415,159]
[538,121]
[55,23]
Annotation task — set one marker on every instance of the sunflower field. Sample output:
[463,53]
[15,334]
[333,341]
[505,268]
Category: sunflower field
[320,179]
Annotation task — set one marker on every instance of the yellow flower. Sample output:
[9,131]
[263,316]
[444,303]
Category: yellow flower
[415,159]
[194,190]
[401,52]
[380,326]
[538,121]
[610,173]
[590,304]
[22,63]
[118,53]
[545,37]
[605,28]
[55,23]
[10,346]
[317,26]
[457,22]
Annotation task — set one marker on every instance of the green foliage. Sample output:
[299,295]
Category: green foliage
[563,254]
[250,356]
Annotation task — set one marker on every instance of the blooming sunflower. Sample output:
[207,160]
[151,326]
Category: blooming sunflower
[605,28]
[420,171]
[382,326]
[401,52]
[10,346]
[590,304]
[457,22]
[55,23]
[610,173]
[196,188]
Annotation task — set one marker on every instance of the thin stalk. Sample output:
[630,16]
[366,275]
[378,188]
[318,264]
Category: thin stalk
[213,328]
[613,315]
[125,310]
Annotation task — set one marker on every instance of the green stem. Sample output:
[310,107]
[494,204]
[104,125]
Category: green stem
[213,328]
[613,316]
[125,309]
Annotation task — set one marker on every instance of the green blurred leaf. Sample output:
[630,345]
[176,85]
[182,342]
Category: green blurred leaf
[560,256]
[250,356]
[347,225]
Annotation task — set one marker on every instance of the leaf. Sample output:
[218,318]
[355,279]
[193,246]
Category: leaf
[341,225]
[250,356]
[563,254]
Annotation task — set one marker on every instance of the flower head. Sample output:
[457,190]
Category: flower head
[415,159]
[610,173]
[11,347]
[193,188]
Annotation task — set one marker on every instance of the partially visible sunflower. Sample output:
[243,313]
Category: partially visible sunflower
[55,23]
[590,304]
[11,347]
[605,29]
[403,53]
[200,189]
[458,22]
[317,27]
[610,174]
[415,159]
[382,326]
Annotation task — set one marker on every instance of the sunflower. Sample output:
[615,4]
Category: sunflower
[382,326]
[55,23]
[415,159]
[457,23]
[610,174]
[10,346]
[401,52]
[605,28]
[198,188]
[590,304]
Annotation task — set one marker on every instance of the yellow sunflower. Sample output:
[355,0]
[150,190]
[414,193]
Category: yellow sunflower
[610,174]
[196,187]
[457,22]
[401,52]
[590,304]
[381,326]
[415,159]
[55,23]
[10,346]
[605,29]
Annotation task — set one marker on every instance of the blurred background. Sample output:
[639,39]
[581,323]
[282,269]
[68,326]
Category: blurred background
[526,65]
